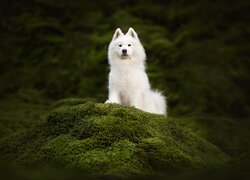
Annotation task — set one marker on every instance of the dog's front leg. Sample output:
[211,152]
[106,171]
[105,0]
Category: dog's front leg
[136,100]
[114,97]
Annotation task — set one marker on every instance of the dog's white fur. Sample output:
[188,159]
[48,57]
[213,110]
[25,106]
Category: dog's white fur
[128,82]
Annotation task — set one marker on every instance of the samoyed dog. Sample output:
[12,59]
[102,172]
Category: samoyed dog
[128,81]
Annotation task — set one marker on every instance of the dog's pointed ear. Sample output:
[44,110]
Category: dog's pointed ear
[118,33]
[132,33]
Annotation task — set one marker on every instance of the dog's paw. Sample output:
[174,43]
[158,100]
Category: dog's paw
[108,101]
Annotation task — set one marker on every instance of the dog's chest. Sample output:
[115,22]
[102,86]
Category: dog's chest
[127,79]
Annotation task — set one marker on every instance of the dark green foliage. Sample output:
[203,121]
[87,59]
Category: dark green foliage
[196,51]
[22,111]
[110,139]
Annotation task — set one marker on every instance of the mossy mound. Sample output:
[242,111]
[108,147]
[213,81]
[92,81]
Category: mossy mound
[110,139]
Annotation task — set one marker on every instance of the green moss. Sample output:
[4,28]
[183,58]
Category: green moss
[19,113]
[110,139]
[230,135]
[72,101]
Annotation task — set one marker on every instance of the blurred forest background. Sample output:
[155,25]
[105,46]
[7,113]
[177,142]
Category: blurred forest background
[198,54]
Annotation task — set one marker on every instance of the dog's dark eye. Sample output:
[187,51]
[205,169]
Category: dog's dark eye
[129,44]
[120,45]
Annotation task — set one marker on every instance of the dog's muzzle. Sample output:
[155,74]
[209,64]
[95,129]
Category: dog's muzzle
[124,54]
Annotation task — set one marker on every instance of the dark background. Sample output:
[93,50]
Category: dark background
[198,56]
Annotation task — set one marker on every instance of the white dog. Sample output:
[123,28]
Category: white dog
[128,82]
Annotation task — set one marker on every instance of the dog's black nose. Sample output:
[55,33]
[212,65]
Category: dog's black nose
[124,51]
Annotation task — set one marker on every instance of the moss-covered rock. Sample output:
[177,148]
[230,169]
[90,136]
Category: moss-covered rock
[110,139]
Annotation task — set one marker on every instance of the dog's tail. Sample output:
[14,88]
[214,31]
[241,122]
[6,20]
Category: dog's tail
[153,102]
[159,102]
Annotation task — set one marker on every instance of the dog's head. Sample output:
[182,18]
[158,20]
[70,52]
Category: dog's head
[126,46]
